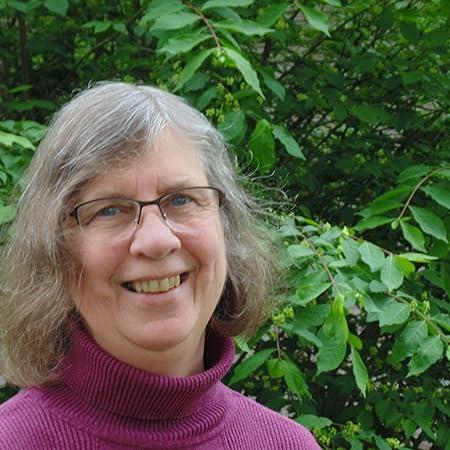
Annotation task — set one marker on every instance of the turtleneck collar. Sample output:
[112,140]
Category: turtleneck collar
[113,386]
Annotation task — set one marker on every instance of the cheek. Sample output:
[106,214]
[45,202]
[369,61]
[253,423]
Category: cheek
[206,245]
[95,268]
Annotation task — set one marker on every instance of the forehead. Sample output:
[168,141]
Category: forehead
[172,162]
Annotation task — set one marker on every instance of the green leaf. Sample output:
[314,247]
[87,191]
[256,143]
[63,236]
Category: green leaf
[355,443]
[120,27]
[332,2]
[417,257]
[294,379]
[246,27]
[270,14]
[379,207]
[377,287]
[288,141]
[226,4]
[429,222]
[372,222]
[183,43]
[443,320]
[9,139]
[250,365]
[413,173]
[430,351]
[245,68]
[413,235]
[390,273]
[311,317]
[100,27]
[355,341]
[331,354]
[311,421]
[274,368]
[263,146]
[409,340]
[205,99]
[297,328]
[157,8]
[382,444]
[409,31]
[370,114]
[372,255]
[20,6]
[445,275]
[411,77]
[299,251]
[359,371]
[312,286]
[398,193]
[242,344]
[335,334]
[191,67]
[233,125]
[7,213]
[174,21]
[439,194]
[406,267]
[394,313]
[316,19]
[57,6]
[351,251]
[274,85]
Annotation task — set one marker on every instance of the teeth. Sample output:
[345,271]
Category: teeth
[155,286]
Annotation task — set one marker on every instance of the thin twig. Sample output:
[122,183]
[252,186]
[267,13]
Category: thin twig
[278,344]
[322,262]
[422,316]
[199,12]
[422,181]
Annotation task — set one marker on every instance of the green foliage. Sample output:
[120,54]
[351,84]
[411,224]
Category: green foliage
[341,105]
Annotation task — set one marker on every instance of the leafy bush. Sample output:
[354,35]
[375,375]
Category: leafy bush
[340,110]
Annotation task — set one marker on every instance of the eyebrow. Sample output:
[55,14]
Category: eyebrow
[180,183]
[165,187]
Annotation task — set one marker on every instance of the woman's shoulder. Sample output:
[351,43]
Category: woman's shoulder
[26,424]
[16,405]
[21,419]
[271,428]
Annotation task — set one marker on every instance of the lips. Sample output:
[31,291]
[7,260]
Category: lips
[155,286]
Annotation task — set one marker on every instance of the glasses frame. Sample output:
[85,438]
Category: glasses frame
[74,212]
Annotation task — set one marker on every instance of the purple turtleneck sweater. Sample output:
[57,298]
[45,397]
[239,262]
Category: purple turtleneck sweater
[102,403]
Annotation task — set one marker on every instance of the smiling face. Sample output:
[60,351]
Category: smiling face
[150,294]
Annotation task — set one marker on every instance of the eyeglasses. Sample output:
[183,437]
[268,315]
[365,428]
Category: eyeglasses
[118,217]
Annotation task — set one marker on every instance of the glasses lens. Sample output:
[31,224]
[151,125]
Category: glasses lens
[188,207]
[110,217]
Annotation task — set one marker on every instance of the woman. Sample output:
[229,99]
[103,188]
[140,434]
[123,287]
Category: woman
[135,257]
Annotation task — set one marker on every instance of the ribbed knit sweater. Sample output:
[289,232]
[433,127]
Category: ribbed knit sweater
[102,403]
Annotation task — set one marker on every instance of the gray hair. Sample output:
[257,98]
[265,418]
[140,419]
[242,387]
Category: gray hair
[110,124]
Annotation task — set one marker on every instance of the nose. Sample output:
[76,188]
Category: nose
[153,238]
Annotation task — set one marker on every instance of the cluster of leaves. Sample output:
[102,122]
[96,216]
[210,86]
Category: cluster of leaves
[343,104]
[361,341]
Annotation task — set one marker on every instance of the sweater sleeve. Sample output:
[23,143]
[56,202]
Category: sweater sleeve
[254,426]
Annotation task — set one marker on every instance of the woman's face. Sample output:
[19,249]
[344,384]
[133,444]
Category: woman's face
[127,323]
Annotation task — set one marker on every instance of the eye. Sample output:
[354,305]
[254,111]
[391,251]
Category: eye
[106,211]
[179,200]
[109,211]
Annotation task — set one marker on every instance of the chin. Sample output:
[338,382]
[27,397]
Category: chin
[163,337]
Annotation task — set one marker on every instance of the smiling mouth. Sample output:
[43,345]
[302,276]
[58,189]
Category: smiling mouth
[156,286]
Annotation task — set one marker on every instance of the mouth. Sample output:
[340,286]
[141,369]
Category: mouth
[156,286]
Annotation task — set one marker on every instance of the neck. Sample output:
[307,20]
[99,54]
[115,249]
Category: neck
[181,360]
